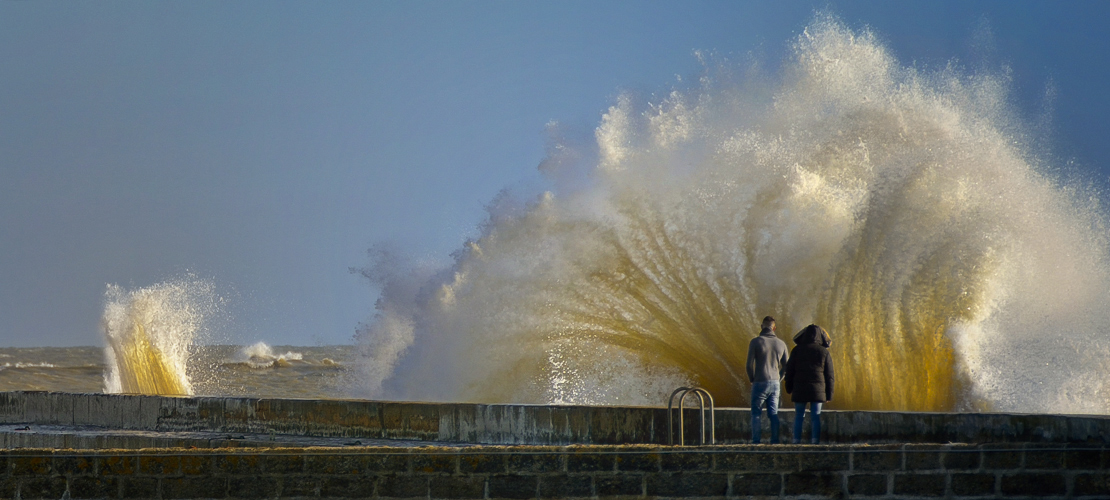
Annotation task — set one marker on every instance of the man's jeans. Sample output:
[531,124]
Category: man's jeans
[765,392]
[815,416]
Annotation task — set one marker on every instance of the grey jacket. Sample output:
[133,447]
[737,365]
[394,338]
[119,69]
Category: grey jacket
[766,357]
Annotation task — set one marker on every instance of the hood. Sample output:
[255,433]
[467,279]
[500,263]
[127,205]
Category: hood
[813,334]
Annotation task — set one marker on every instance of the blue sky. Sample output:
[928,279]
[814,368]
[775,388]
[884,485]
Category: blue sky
[266,145]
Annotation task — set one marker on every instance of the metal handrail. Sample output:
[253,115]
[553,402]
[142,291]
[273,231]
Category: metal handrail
[702,394]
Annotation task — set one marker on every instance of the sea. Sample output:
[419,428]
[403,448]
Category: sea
[257,370]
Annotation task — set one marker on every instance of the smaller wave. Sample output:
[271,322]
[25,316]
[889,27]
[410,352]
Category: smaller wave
[261,355]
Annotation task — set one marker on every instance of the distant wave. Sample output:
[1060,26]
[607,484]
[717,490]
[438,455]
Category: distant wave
[261,355]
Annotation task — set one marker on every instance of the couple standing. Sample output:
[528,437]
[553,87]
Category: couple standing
[809,378]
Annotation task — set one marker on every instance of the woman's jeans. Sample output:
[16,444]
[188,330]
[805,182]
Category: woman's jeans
[765,392]
[815,416]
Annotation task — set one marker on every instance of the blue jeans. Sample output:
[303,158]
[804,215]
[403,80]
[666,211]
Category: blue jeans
[815,417]
[765,392]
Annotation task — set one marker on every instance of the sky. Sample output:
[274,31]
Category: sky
[266,145]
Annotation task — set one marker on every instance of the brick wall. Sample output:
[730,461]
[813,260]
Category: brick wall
[1005,470]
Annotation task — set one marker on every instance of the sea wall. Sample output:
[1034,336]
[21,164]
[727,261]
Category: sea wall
[998,470]
[518,424]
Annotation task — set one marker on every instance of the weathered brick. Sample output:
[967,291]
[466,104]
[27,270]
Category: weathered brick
[686,461]
[192,465]
[403,486]
[1027,484]
[972,484]
[238,464]
[117,466]
[535,462]
[90,487]
[787,458]
[922,485]
[457,486]
[139,487]
[823,458]
[589,462]
[1043,456]
[347,487]
[326,464]
[391,463]
[512,486]
[687,484]
[1095,484]
[194,487]
[8,485]
[757,484]
[251,487]
[619,484]
[283,464]
[923,456]
[42,487]
[74,465]
[159,464]
[299,485]
[1080,457]
[33,465]
[433,463]
[867,484]
[565,486]
[648,462]
[805,483]
[961,457]
[1001,456]
[481,463]
[877,458]
[741,461]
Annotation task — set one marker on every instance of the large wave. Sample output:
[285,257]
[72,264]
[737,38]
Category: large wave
[901,209]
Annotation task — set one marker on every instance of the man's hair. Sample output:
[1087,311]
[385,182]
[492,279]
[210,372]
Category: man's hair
[768,321]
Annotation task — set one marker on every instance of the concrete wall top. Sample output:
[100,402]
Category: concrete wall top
[519,424]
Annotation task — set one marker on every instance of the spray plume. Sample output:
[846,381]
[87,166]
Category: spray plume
[897,208]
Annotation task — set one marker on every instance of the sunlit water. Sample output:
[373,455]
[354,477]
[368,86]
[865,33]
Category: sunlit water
[901,209]
[221,370]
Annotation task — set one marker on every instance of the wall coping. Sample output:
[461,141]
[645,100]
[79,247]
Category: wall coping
[520,424]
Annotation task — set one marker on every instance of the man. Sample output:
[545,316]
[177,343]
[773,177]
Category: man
[766,367]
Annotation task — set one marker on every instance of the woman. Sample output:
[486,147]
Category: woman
[809,378]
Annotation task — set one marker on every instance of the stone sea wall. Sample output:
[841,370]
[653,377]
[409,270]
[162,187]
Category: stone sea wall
[519,424]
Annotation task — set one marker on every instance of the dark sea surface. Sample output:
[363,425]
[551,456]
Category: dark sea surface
[223,370]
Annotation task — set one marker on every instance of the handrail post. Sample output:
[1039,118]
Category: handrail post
[670,417]
[681,423]
[702,395]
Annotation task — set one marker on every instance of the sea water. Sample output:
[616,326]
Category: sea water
[256,370]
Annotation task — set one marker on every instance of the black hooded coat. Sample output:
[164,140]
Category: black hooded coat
[809,372]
